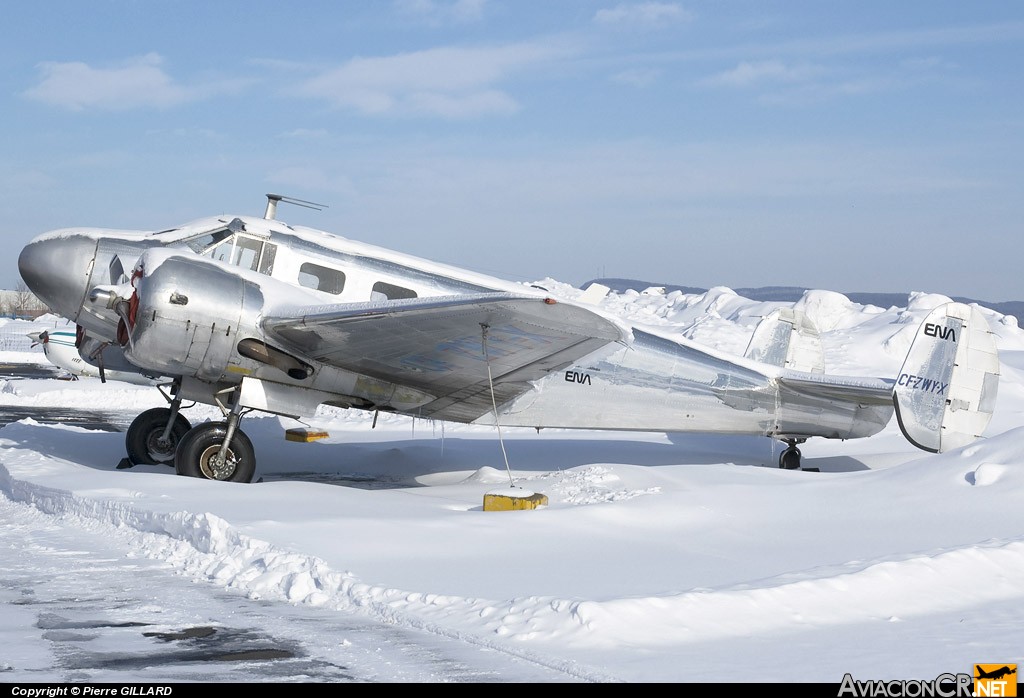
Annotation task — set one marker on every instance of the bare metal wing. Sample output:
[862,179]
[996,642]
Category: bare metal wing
[437,345]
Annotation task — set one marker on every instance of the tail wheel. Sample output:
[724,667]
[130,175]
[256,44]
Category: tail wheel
[198,454]
[790,458]
[145,441]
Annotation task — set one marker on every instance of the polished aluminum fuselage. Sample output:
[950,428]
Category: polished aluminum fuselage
[197,301]
[662,384]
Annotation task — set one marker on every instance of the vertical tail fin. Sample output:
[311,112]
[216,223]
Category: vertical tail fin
[788,339]
[946,390]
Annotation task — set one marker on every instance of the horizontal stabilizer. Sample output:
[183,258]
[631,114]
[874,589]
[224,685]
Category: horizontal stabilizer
[946,390]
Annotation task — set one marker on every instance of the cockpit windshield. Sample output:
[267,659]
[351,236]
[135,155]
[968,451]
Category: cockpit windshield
[237,249]
[203,243]
[228,243]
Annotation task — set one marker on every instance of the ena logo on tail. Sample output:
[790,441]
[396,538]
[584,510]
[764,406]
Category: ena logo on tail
[933,330]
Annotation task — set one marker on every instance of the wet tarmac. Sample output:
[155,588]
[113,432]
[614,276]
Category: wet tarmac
[87,605]
[28,371]
[87,419]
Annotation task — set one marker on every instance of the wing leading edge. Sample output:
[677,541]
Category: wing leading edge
[436,345]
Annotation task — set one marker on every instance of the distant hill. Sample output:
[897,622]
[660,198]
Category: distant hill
[791,294]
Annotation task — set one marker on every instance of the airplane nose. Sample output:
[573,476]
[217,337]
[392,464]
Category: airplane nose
[57,270]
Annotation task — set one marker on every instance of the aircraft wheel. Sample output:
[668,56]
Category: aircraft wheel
[198,454]
[790,458]
[144,440]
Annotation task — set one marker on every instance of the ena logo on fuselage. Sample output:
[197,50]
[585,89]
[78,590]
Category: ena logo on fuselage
[577,377]
[933,330]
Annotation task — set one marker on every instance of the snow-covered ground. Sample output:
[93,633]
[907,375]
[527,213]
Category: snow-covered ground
[659,557]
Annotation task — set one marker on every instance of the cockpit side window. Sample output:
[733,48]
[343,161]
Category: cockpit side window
[247,252]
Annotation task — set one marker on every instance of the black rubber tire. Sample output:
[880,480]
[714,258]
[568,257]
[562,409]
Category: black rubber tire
[142,439]
[202,442]
[790,458]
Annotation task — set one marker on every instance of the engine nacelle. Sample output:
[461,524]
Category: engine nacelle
[187,314]
[192,317]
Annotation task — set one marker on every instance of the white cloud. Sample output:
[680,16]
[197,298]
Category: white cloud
[139,82]
[278,65]
[21,180]
[305,133]
[640,77]
[644,13]
[307,178]
[749,73]
[435,13]
[462,106]
[443,82]
[927,64]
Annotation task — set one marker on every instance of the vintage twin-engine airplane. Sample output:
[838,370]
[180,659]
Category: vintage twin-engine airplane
[250,314]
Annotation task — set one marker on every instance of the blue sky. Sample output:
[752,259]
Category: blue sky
[867,146]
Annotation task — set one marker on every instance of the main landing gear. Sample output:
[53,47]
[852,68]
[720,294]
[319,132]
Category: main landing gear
[154,436]
[211,450]
[217,451]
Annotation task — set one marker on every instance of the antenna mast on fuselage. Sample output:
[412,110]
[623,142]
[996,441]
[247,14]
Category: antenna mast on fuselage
[272,199]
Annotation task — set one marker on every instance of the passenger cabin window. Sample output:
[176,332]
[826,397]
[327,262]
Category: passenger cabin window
[383,291]
[321,278]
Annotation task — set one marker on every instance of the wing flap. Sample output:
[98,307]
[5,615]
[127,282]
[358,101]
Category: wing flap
[436,345]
